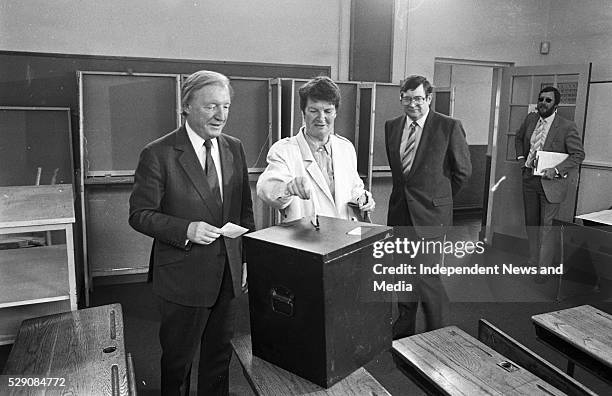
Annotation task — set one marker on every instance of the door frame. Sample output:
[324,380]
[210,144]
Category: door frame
[496,83]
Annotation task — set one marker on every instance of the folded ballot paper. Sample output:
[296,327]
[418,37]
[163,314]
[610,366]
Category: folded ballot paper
[547,159]
[232,230]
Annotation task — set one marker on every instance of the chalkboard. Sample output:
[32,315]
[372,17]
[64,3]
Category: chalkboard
[120,114]
[346,120]
[33,138]
[249,119]
[113,247]
[291,118]
[366,114]
[387,107]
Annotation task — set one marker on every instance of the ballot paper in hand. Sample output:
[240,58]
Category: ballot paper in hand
[547,159]
[232,230]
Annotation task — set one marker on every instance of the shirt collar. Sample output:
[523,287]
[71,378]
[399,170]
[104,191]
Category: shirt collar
[314,146]
[421,121]
[196,140]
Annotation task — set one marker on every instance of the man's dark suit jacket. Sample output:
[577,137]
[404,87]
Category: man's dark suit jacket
[171,191]
[563,137]
[440,168]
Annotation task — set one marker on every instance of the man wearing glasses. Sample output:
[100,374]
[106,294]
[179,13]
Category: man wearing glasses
[315,172]
[542,195]
[430,162]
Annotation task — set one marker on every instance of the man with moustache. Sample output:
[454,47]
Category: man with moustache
[542,195]
[430,162]
[188,184]
[315,171]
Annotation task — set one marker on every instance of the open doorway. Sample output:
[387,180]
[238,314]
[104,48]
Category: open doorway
[469,90]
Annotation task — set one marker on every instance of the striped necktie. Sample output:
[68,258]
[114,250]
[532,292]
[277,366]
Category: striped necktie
[537,141]
[211,173]
[408,147]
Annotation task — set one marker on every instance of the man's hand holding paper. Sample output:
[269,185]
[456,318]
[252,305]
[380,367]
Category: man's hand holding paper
[546,161]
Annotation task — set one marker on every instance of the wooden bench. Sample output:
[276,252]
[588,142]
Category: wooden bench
[268,379]
[85,348]
[524,357]
[449,361]
[582,334]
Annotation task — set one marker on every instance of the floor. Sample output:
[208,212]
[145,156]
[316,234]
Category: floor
[508,301]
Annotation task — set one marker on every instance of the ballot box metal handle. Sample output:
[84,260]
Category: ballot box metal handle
[281,300]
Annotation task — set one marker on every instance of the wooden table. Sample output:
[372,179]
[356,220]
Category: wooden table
[449,361]
[268,379]
[582,334]
[84,349]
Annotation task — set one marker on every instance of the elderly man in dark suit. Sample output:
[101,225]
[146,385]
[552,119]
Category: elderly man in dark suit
[430,161]
[542,195]
[187,185]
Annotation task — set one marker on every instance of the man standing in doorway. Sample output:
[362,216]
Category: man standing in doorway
[542,195]
[430,162]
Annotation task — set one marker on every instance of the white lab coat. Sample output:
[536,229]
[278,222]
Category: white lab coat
[291,157]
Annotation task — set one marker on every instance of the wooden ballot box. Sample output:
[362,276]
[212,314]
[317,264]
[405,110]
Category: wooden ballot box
[310,313]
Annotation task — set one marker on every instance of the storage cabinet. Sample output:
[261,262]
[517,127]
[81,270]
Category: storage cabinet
[37,270]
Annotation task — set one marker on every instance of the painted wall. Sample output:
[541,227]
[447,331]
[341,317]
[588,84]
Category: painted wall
[313,32]
[579,31]
[472,85]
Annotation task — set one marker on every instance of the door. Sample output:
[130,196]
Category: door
[520,87]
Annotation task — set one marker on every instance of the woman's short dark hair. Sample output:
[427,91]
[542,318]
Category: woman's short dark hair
[320,88]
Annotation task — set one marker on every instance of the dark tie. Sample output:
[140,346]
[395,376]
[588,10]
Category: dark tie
[211,173]
[407,148]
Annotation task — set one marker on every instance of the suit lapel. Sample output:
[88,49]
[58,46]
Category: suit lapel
[227,170]
[530,129]
[552,131]
[311,166]
[192,167]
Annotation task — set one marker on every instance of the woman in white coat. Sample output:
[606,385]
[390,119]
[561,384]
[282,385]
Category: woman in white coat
[315,171]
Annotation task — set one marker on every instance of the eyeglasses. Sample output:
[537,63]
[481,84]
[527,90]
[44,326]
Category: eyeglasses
[547,100]
[419,100]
